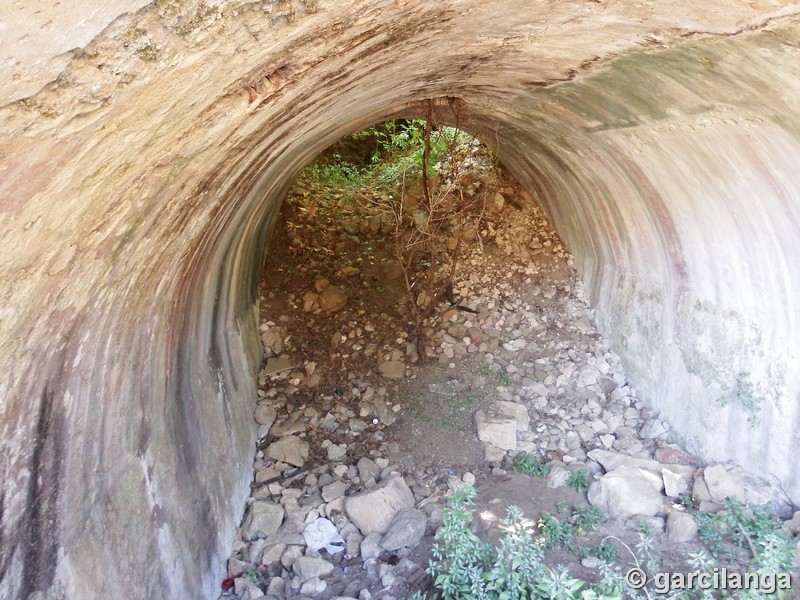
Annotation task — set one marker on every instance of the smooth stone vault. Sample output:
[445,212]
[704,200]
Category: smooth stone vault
[143,158]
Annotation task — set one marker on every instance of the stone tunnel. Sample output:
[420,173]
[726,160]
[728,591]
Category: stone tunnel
[143,160]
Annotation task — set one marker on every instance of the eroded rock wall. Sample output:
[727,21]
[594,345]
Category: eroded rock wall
[138,188]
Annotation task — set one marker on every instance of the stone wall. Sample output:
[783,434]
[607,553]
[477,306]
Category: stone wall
[138,189]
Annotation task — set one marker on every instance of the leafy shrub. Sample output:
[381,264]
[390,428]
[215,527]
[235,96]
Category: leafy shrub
[586,518]
[464,567]
[579,480]
[530,465]
[555,532]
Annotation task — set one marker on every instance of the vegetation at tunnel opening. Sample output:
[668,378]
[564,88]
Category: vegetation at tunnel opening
[465,567]
[421,179]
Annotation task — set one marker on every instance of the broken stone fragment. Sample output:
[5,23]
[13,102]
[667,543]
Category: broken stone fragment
[677,479]
[291,450]
[262,518]
[332,299]
[392,369]
[307,567]
[612,460]
[265,415]
[498,430]
[406,530]
[681,527]
[373,510]
[627,491]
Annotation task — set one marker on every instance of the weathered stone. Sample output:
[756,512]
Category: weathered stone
[612,460]
[675,456]
[336,451]
[291,450]
[262,518]
[732,481]
[373,510]
[678,479]
[515,410]
[306,567]
[277,365]
[499,431]
[367,469]
[313,587]
[627,491]
[681,527]
[406,530]
[265,415]
[334,490]
[371,546]
[392,369]
[332,299]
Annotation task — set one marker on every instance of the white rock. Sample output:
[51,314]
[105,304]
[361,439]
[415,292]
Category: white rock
[611,460]
[265,415]
[307,567]
[515,345]
[291,450]
[392,369]
[627,491]
[733,481]
[677,479]
[516,410]
[373,510]
[497,430]
[333,491]
[313,587]
[406,530]
[262,517]
[336,452]
[681,526]
[371,546]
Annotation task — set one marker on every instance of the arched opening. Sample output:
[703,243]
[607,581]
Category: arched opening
[141,186]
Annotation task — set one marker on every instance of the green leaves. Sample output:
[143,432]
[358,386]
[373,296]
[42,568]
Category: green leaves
[530,465]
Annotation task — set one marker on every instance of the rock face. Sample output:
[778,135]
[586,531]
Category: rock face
[138,190]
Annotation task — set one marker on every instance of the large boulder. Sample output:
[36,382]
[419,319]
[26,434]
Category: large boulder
[627,491]
[373,510]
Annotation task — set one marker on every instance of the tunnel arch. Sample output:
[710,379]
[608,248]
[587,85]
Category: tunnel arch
[137,196]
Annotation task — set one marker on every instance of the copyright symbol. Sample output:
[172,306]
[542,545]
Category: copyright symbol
[636,578]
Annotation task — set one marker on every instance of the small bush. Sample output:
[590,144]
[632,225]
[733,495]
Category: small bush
[555,532]
[586,518]
[579,480]
[530,465]
[464,567]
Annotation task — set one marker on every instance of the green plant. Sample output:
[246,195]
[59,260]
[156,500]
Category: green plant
[463,567]
[607,552]
[579,480]
[504,379]
[562,508]
[685,500]
[745,526]
[743,393]
[555,532]
[586,518]
[530,465]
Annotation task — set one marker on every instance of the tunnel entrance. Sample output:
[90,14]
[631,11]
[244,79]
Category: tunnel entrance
[424,327]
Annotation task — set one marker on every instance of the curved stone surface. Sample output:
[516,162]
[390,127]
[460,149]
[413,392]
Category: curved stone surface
[138,190]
